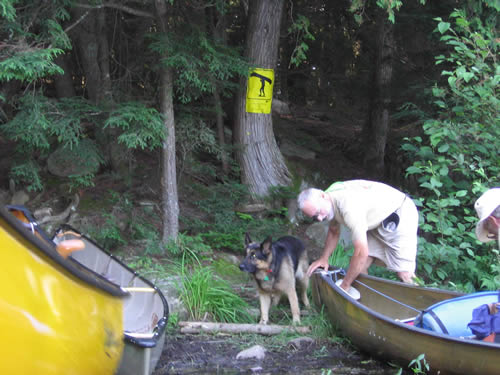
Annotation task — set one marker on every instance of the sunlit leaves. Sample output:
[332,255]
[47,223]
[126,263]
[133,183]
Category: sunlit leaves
[30,65]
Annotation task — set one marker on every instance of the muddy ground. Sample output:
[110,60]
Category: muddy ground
[216,354]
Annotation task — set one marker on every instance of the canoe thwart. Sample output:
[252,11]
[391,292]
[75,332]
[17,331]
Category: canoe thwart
[139,289]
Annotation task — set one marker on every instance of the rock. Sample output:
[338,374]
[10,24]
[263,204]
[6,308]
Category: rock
[280,108]
[20,198]
[256,351]
[290,149]
[252,208]
[4,197]
[170,289]
[77,161]
[300,343]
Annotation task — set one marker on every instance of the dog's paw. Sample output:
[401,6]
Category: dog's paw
[296,322]
[264,322]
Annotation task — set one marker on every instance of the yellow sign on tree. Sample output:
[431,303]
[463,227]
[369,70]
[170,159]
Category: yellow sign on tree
[260,90]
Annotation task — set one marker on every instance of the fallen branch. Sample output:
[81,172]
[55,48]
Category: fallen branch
[62,216]
[199,327]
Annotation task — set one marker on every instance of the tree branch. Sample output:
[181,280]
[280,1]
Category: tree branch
[124,8]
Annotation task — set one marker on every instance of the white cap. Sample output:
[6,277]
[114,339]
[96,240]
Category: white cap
[485,205]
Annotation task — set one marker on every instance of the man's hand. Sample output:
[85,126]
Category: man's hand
[318,263]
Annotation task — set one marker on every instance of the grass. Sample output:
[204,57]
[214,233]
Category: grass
[206,295]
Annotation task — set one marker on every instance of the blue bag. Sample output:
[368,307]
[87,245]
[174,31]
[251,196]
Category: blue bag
[483,322]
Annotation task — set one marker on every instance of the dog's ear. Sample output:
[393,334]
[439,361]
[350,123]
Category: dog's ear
[267,245]
[248,240]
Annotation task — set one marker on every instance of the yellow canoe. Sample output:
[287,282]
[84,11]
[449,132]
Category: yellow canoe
[55,317]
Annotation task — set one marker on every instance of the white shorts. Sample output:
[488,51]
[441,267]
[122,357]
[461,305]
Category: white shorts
[395,244]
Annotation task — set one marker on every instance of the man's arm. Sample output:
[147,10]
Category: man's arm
[357,263]
[332,238]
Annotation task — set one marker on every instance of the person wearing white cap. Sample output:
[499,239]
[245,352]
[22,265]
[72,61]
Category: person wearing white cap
[383,222]
[488,210]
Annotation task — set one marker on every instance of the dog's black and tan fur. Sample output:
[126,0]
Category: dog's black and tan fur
[276,266]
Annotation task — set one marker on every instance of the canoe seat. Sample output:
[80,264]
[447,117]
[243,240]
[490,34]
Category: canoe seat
[452,316]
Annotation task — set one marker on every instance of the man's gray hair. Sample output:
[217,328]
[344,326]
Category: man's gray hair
[311,195]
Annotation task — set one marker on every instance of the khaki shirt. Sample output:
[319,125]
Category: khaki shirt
[362,205]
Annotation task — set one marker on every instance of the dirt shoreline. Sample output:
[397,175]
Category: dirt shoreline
[216,354]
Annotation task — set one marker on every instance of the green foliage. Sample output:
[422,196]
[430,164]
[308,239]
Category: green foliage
[420,365]
[202,64]
[390,6]
[27,174]
[341,256]
[7,9]
[300,30]
[193,135]
[188,248]
[204,293]
[30,65]
[458,158]
[108,235]
[42,124]
[224,227]
[142,127]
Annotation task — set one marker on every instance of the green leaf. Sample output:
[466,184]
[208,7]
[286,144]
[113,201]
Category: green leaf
[444,148]
[443,27]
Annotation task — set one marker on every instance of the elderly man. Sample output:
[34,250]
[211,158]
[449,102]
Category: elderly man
[488,210]
[383,222]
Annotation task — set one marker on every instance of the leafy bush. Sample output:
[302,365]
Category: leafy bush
[458,157]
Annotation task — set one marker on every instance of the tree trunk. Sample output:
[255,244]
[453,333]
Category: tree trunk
[261,162]
[63,82]
[87,45]
[170,198]
[219,115]
[378,125]
[219,33]
[105,91]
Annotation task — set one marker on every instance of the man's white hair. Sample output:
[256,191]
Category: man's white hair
[309,195]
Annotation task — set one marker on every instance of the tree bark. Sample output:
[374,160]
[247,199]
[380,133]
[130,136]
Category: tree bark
[87,45]
[170,198]
[63,82]
[261,162]
[379,119]
[271,329]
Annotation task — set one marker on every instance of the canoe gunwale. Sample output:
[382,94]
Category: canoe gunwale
[17,229]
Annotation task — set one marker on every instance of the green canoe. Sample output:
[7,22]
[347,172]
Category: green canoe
[381,323]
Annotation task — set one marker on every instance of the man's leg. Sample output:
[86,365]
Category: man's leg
[367,264]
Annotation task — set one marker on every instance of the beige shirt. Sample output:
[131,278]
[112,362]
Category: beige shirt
[362,205]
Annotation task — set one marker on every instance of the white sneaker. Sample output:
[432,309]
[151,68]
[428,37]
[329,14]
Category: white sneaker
[352,292]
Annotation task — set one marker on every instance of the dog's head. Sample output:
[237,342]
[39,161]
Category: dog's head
[258,256]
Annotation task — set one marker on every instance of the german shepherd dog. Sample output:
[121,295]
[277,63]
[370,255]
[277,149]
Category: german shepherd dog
[275,266]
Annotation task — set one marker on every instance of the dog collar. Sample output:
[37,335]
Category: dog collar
[267,277]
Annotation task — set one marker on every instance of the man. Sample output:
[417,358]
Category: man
[488,210]
[383,222]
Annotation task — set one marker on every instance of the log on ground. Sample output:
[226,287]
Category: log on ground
[272,329]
